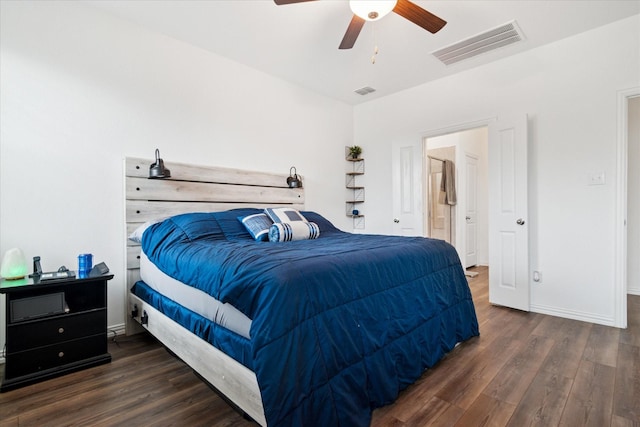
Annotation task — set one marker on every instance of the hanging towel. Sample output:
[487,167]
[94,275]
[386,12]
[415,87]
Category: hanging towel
[448,183]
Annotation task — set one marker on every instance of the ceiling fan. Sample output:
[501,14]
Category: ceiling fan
[373,10]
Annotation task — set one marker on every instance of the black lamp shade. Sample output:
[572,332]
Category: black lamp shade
[157,169]
[293,181]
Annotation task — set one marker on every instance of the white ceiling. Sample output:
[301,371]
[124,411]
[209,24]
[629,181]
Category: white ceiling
[299,42]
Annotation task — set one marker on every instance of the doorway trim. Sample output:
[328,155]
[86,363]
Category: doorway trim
[458,128]
[622,156]
[467,215]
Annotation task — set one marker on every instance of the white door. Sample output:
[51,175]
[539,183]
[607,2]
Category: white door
[407,189]
[471,211]
[508,222]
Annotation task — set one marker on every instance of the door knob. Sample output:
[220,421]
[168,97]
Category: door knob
[396,220]
[520,221]
[467,218]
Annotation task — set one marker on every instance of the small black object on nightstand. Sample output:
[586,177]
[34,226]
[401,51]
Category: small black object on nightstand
[37,269]
[99,270]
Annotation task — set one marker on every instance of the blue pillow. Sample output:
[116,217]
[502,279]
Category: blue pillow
[325,226]
[257,225]
[232,228]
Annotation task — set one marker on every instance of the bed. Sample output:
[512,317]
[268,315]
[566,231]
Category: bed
[329,328]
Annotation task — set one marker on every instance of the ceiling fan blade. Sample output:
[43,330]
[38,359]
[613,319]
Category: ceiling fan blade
[353,30]
[419,16]
[282,2]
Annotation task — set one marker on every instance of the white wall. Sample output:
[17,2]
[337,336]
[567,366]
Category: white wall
[81,90]
[569,89]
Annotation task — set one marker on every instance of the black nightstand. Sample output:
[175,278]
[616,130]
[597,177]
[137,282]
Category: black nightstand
[53,328]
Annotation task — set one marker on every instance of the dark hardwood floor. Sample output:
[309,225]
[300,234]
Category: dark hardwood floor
[525,369]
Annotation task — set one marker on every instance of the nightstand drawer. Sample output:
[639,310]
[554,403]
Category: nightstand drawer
[39,333]
[52,356]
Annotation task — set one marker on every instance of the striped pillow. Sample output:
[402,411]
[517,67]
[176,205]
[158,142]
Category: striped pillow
[257,225]
[298,230]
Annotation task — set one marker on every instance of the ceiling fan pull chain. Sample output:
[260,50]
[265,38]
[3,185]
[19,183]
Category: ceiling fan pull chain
[375,44]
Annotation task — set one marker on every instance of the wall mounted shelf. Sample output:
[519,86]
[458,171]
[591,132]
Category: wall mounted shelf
[355,198]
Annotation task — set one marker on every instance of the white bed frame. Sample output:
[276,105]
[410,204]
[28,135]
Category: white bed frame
[197,189]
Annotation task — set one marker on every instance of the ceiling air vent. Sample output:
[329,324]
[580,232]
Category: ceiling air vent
[364,90]
[484,42]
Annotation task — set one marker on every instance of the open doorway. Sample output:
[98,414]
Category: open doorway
[627,203]
[465,223]
[502,239]
[633,190]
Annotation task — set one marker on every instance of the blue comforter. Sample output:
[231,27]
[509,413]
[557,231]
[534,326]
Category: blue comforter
[340,324]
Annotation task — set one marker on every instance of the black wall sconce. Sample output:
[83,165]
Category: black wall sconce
[293,181]
[157,169]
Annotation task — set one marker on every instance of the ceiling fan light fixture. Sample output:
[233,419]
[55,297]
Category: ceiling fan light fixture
[372,10]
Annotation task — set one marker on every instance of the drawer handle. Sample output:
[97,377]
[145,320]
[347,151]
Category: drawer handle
[61,330]
[61,354]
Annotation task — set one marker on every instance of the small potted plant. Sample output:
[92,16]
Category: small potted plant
[355,151]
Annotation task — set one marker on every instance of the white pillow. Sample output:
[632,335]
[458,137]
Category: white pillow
[297,230]
[284,215]
[136,235]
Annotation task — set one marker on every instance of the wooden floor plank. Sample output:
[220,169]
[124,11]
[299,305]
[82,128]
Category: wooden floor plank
[570,338]
[487,411]
[617,421]
[481,380]
[466,386]
[602,346]
[544,401]
[433,409]
[514,379]
[627,391]
[591,399]
[447,419]
[631,335]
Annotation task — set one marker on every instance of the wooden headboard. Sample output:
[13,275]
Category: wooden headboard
[193,188]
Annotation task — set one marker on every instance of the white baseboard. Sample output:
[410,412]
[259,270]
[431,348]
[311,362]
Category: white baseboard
[572,314]
[115,330]
[633,291]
